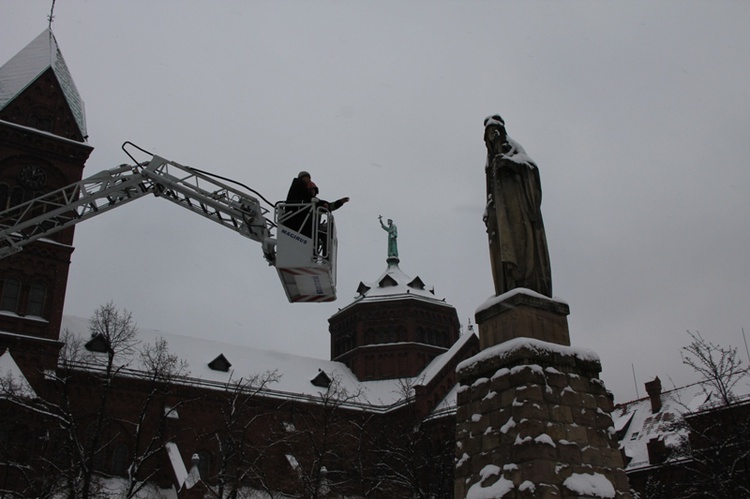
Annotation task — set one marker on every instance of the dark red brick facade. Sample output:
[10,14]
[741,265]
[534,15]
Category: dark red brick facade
[41,150]
[238,435]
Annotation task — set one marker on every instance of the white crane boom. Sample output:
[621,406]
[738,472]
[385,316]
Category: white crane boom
[202,193]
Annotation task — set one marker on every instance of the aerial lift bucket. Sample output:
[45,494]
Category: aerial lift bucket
[306,247]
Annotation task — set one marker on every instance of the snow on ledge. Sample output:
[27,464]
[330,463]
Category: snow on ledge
[495,299]
[509,347]
[596,485]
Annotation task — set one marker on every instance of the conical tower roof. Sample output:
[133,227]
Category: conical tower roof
[30,63]
[393,284]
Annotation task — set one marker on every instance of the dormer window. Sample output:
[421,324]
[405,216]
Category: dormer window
[321,380]
[220,363]
[362,289]
[416,283]
[387,282]
[98,343]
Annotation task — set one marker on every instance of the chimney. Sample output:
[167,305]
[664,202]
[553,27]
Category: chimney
[653,388]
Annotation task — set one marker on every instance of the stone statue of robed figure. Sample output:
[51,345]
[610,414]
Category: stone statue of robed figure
[513,216]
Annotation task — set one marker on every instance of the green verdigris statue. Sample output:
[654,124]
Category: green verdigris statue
[392,237]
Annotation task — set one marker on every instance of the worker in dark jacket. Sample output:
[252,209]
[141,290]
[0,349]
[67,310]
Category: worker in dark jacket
[299,218]
[321,202]
[324,228]
[299,191]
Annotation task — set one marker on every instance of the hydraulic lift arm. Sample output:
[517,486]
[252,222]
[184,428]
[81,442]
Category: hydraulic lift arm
[196,190]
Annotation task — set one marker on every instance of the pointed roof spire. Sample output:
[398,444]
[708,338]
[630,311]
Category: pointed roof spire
[395,284]
[29,64]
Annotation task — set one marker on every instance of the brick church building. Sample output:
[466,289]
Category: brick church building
[86,413]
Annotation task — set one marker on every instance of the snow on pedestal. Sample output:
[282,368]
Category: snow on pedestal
[533,417]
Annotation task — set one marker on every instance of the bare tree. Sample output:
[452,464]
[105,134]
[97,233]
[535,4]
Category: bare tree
[715,447]
[715,441]
[323,442]
[416,454]
[160,370]
[242,446]
[81,422]
[118,333]
[718,366]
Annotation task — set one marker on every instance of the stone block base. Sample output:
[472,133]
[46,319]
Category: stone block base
[533,420]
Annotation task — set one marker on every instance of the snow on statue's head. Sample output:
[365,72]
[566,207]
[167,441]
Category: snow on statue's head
[494,120]
[495,135]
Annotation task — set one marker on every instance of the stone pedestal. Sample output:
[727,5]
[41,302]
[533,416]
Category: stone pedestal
[533,417]
[522,313]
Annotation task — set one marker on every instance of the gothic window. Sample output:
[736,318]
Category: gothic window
[16,197]
[41,119]
[10,294]
[100,460]
[431,337]
[4,196]
[204,465]
[348,344]
[29,444]
[381,336]
[37,294]
[120,459]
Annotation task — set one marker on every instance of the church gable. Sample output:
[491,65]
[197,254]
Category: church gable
[37,91]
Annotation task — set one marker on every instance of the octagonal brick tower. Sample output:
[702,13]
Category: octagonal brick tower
[393,328]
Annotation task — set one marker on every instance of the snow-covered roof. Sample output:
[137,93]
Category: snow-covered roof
[296,372]
[33,60]
[394,284]
[636,424]
[449,402]
[438,363]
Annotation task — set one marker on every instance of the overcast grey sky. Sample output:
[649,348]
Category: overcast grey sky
[637,114]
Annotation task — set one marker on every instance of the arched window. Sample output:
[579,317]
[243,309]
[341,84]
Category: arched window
[37,295]
[381,336]
[100,460]
[10,294]
[4,196]
[204,465]
[120,459]
[16,196]
[21,443]
[41,120]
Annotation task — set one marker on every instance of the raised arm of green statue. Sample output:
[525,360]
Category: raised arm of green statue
[392,237]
